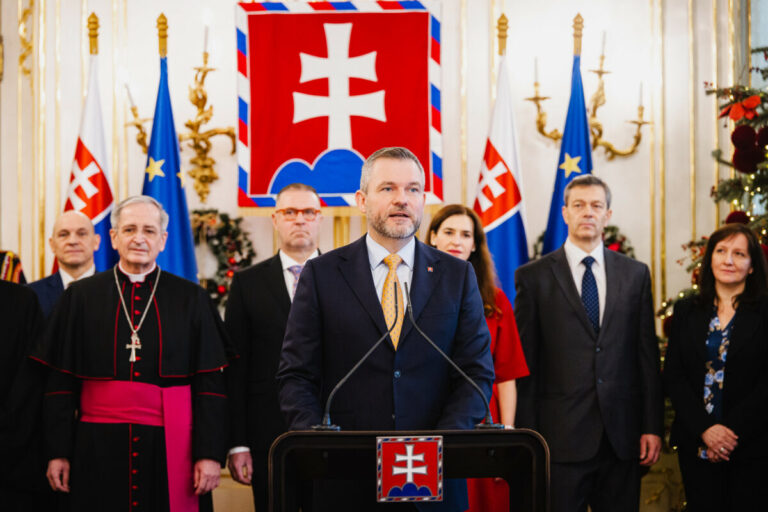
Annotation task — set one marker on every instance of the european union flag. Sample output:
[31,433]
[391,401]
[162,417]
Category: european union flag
[575,159]
[164,181]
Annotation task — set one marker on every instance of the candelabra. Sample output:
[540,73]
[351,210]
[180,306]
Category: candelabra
[200,142]
[597,100]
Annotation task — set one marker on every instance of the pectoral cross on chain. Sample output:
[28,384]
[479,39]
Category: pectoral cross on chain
[135,344]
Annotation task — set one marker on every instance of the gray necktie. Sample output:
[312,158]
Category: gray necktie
[295,270]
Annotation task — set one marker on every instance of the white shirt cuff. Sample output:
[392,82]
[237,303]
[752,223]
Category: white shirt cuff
[238,449]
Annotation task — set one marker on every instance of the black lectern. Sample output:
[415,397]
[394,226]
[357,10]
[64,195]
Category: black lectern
[521,457]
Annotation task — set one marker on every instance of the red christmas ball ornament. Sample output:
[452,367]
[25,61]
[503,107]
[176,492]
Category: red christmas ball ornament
[615,246]
[666,326]
[221,289]
[743,137]
[230,273]
[737,217]
[762,138]
[695,275]
[746,160]
[231,260]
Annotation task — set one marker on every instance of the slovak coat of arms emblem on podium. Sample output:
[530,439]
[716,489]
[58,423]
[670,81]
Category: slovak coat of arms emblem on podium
[409,468]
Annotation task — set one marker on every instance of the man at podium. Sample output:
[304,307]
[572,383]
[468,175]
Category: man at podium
[350,297]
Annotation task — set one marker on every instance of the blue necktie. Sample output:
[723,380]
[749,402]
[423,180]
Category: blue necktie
[589,294]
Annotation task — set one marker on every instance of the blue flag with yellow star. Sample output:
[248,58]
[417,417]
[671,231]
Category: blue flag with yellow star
[575,159]
[164,181]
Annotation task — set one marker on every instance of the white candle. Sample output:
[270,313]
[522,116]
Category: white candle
[205,39]
[536,69]
[130,97]
[640,101]
[602,52]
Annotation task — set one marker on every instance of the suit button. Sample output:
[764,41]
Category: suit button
[397,374]
[599,381]
[393,417]
[597,349]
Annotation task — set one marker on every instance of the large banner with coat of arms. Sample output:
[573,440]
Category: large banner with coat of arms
[322,85]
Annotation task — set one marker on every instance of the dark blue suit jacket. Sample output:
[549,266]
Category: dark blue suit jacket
[48,291]
[336,317]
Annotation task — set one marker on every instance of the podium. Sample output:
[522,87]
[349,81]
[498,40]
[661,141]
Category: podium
[520,457]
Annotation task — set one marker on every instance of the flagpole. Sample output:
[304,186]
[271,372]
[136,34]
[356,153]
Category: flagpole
[502,26]
[93,33]
[162,35]
[578,28]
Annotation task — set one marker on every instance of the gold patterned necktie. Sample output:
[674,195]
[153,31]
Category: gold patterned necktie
[393,313]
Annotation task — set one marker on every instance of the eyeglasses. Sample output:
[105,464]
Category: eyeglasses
[293,213]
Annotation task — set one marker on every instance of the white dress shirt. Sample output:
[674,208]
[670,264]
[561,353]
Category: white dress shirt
[574,255]
[287,262]
[67,279]
[379,269]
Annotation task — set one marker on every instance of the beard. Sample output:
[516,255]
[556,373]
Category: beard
[379,224]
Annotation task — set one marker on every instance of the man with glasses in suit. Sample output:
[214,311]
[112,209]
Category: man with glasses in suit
[257,312]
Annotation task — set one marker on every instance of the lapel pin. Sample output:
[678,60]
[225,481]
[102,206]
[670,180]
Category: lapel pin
[429,269]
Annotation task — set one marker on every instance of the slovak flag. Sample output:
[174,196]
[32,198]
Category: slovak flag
[89,190]
[499,200]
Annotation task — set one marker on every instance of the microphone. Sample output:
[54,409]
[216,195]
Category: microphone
[488,423]
[326,423]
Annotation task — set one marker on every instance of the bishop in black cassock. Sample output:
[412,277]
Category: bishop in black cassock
[122,448]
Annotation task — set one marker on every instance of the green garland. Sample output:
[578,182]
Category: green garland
[228,243]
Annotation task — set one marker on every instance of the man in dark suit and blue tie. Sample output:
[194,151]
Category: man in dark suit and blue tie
[349,297]
[585,318]
[257,311]
[73,243]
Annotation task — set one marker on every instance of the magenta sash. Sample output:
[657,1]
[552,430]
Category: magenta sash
[119,401]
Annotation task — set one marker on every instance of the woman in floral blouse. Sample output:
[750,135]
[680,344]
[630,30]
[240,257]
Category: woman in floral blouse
[716,374]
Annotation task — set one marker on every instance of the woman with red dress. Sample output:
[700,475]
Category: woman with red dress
[457,230]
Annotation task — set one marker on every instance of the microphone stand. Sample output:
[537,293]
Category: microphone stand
[488,423]
[326,424]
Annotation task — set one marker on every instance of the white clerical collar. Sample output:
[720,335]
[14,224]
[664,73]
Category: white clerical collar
[67,279]
[377,252]
[137,278]
[576,254]
[287,261]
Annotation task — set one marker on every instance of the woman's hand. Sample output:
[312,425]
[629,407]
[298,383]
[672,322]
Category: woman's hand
[720,441]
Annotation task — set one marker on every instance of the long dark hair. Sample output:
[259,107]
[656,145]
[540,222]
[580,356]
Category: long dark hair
[757,281]
[480,258]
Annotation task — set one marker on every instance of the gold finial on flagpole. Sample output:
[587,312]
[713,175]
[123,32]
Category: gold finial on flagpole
[93,33]
[578,27]
[162,34]
[502,26]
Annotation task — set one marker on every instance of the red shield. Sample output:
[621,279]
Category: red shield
[409,468]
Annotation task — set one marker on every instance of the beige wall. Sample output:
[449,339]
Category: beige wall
[637,47]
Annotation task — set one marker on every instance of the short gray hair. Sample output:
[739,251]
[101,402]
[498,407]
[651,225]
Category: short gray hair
[395,153]
[117,210]
[588,180]
[297,186]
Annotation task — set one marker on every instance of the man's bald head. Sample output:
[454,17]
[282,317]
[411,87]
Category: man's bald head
[73,242]
[72,216]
